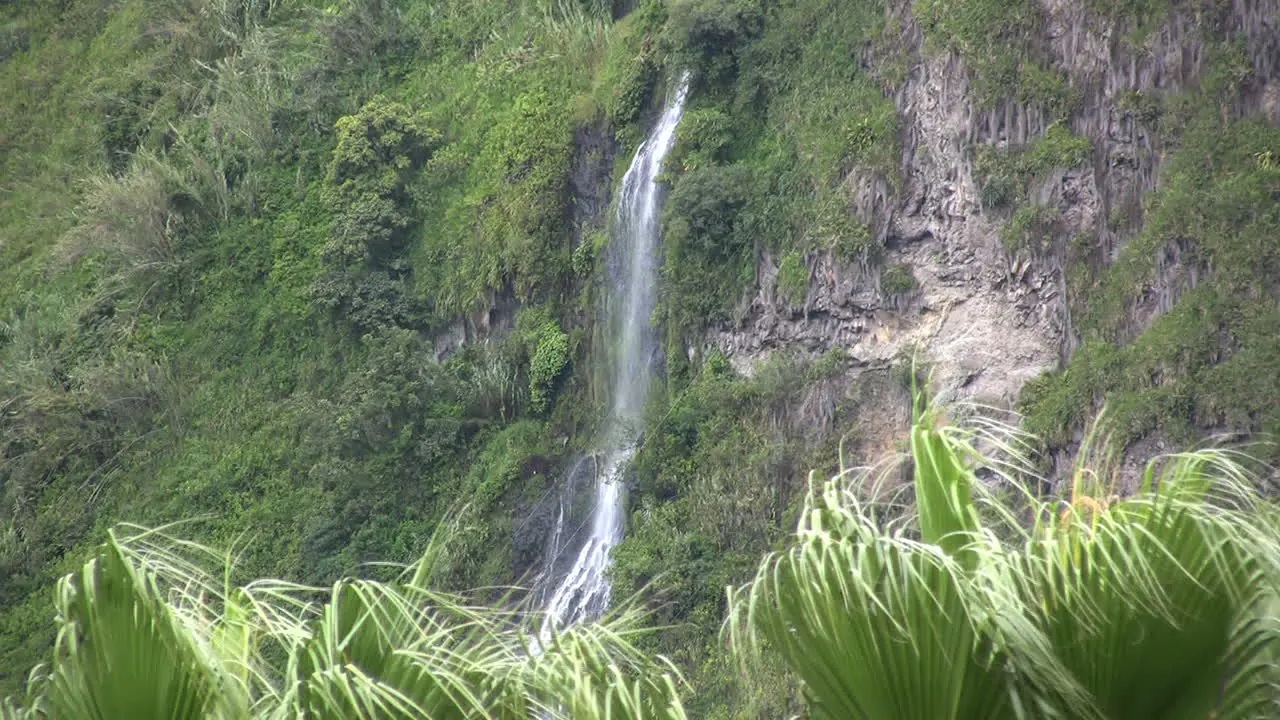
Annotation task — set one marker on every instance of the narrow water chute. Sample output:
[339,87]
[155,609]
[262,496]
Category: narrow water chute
[583,592]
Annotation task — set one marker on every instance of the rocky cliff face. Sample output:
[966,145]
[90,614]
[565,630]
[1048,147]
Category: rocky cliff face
[986,317]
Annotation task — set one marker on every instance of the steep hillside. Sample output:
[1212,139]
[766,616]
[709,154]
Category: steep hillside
[1050,205]
[247,249]
[324,274]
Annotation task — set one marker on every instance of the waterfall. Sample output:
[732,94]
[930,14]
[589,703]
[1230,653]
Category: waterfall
[583,593]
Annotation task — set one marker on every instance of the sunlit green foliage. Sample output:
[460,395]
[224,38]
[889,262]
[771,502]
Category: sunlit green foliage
[942,599]
[152,627]
[703,138]
[549,359]
[377,152]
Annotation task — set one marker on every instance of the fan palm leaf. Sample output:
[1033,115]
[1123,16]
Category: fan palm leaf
[122,651]
[147,632]
[878,625]
[386,650]
[1158,603]
[1158,606]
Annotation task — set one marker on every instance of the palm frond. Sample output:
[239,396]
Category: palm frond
[1157,605]
[122,651]
[880,626]
[1153,600]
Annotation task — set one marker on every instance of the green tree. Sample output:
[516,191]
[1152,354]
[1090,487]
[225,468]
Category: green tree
[379,150]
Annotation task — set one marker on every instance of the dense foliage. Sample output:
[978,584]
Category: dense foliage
[231,229]
[152,627]
[319,273]
[946,598]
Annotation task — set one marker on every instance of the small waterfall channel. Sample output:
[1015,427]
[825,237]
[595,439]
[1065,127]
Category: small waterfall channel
[583,593]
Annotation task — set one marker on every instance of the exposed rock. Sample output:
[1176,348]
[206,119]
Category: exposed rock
[989,325]
[988,320]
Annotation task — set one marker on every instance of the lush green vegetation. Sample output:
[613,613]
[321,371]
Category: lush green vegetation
[1211,359]
[231,228]
[153,627]
[952,598]
[241,242]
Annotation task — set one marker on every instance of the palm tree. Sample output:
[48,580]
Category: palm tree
[1157,605]
[146,631]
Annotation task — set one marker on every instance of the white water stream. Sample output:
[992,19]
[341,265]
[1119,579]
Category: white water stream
[583,593]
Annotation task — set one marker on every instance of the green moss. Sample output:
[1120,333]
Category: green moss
[588,251]
[1032,228]
[897,280]
[793,278]
[848,239]
[1058,148]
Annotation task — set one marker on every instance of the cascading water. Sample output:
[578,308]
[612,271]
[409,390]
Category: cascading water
[583,593]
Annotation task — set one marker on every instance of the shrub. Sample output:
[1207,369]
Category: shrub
[897,280]
[379,146]
[633,85]
[707,254]
[1059,148]
[1031,228]
[708,36]
[379,149]
[138,221]
[368,299]
[548,361]
[793,278]
[702,139]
